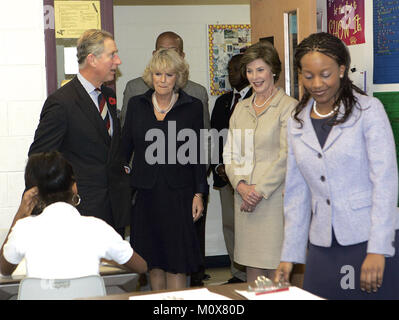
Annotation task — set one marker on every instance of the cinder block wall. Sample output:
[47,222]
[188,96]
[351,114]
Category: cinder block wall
[22,93]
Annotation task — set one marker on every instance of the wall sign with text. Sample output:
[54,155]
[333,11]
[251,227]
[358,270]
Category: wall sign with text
[72,18]
[345,20]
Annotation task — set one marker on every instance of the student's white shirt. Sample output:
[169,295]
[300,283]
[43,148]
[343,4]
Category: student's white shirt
[60,243]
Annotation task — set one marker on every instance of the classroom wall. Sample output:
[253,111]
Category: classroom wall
[23,80]
[23,90]
[136,28]
[362,54]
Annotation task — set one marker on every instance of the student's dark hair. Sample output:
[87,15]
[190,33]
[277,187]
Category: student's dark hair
[334,48]
[53,176]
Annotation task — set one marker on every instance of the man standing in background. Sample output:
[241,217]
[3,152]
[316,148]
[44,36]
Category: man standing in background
[167,40]
[171,40]
[80,121]
[221,113]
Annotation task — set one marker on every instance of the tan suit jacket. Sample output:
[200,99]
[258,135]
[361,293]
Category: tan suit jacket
[256,151]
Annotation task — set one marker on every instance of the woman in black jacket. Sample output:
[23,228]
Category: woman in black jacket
[162,131]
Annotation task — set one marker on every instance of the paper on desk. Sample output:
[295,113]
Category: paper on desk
[194,294]
[293,293]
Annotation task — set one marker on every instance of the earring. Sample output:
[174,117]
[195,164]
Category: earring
[76,200]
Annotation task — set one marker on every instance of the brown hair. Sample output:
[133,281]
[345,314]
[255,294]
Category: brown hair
[262,50]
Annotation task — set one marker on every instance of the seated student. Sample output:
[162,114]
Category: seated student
[60,243]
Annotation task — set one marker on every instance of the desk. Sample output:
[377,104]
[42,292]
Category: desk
[227,290]
[116,280]
[207,293]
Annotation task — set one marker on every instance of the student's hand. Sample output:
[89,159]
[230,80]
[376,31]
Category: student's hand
[283,272]
[248,194]
[28,202]
[372,272]
[198,207]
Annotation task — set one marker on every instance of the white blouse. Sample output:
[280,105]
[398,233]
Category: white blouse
[60,243]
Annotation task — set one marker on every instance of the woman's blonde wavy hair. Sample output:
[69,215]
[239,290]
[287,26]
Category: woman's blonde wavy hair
[167,60]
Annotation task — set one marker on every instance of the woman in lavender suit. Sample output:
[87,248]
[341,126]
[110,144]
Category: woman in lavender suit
[341,188]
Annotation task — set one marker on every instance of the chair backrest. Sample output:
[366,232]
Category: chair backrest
[61,289]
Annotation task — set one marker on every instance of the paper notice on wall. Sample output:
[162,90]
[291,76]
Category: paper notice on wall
[72,18]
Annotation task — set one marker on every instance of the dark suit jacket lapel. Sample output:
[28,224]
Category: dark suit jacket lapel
[86,104]
[249,93]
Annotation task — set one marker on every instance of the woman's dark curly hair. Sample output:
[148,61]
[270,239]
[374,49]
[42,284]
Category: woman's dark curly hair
[334,48]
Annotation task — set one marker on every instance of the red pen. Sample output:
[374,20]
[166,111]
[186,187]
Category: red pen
[272,291]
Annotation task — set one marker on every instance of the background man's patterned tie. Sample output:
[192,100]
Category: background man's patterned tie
[104,110]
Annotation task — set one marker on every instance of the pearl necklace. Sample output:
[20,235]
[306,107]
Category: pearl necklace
[260,106]
[171,103]
[324,115]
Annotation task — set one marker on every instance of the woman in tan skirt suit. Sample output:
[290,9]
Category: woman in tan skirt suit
[255,160]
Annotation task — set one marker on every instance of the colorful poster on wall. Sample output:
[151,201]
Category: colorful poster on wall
[225,41]
[345,20]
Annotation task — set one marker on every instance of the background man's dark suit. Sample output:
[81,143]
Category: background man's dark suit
[70,123]
[220,120]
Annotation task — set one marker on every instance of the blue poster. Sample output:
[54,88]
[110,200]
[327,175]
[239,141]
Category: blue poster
[386,41]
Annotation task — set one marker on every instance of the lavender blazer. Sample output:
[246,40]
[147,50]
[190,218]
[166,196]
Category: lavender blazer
[351,184]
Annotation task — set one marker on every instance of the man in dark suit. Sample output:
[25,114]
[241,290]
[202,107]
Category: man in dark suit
[80,121]
[224,107]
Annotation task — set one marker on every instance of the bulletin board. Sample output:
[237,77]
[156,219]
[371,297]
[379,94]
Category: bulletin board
[390,100]
[225,41]
[386,41]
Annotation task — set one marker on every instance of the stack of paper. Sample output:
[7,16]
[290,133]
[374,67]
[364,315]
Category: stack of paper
[195,294]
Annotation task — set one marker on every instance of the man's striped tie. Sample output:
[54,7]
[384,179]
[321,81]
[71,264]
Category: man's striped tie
[104,110]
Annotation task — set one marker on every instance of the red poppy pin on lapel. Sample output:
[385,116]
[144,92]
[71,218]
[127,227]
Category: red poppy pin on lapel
[112,101]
